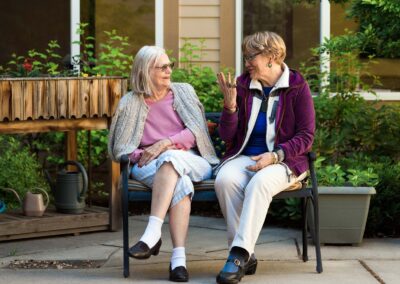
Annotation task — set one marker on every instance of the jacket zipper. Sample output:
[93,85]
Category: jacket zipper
[280,118]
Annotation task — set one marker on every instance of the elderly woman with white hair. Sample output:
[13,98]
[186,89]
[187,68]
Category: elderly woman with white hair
[162,127]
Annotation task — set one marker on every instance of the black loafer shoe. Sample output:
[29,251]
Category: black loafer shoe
[232,273]
[142,251]
[251,266]
[179,274]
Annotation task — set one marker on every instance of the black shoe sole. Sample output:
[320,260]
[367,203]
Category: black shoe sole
[182,278]
[156,251]
[226,281]
[251,269]
[178,280]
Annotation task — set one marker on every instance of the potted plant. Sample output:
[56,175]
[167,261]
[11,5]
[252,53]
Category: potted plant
[344,198]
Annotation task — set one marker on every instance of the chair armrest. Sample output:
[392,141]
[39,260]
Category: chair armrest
[312,156]
[124,160]
[124,166]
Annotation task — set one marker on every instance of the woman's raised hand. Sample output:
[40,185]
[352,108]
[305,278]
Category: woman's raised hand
[228,89]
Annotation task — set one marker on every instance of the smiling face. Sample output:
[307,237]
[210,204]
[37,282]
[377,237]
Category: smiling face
[256,64]
[160,72]
[264,53]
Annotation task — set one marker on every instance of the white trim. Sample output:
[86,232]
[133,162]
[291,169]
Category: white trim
[325,32]
[238,36]
[381,95]
[75,19]
[159,15]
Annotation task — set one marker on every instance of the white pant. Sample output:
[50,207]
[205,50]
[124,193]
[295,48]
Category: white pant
[244,197]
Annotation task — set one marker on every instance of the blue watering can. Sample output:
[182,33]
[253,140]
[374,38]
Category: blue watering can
[2,206]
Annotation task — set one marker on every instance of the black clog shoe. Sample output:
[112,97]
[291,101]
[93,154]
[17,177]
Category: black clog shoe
[235,268]
[178,274]
[142,251]
[232,272]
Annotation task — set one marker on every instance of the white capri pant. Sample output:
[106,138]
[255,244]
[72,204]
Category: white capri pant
[188,164]
[244,197]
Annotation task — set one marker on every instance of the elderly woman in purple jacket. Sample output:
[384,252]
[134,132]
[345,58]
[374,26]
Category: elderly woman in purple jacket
[268,124]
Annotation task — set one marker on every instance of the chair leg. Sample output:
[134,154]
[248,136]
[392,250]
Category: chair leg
[316,237]
[125,228]
[304,202]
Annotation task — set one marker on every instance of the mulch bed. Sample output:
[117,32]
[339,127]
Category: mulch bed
[55,264]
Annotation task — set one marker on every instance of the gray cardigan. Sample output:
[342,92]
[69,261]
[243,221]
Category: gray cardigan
[128,122]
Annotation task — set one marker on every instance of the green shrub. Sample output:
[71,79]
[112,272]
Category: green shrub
[353,174]
[36,63]
[111,59]
[384,212]
[98,149]
[346,68]
[379,30]
[53,145]
[19,169]
[363,137]
[359,140]
[349,124]
[203,79]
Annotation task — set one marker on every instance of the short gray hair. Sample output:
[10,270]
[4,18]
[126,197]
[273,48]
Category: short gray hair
[140,79]
[269,43]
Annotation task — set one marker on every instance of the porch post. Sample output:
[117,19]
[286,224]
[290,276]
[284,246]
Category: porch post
[159,23]
[325,31]
[238,36]
[75,20]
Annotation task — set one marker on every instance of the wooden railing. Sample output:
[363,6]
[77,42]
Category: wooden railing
[59,98]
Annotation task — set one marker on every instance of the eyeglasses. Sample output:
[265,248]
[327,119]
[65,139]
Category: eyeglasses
[165,66]
[250,57]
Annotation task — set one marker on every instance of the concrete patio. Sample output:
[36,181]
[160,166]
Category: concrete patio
[278,252]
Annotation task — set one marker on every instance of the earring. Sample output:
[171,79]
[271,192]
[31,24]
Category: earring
[269,65]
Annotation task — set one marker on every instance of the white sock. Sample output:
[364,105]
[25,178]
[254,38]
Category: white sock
[152,234]
[178,257]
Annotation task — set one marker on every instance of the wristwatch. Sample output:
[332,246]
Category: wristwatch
[279,152]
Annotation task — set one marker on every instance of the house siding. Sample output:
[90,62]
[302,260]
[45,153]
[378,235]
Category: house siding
[200,20]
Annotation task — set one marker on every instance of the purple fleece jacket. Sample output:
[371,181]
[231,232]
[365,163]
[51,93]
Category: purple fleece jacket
[294,124]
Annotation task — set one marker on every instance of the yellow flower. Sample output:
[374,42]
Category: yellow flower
[84,74]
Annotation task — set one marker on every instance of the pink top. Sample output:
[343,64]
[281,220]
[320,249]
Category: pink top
[163,122]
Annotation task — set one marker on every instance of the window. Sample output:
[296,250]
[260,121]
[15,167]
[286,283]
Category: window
[297,24]
[27,24]
[132,18]
[31,24]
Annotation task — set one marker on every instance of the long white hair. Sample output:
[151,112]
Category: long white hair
[146,57]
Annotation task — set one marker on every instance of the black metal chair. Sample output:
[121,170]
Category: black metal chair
[204,191]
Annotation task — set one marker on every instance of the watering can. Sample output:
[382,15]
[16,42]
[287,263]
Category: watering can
[32,204]
[2,206]
[69,189]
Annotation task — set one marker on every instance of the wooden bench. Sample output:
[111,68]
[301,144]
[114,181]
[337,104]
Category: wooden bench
[204,191]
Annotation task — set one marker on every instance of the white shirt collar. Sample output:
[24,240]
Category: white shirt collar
[283,81]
